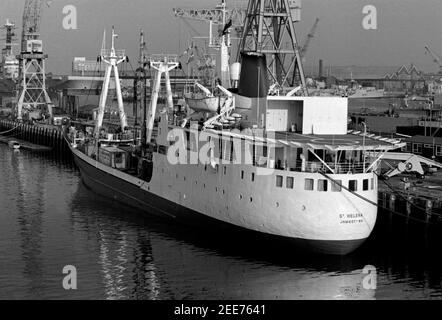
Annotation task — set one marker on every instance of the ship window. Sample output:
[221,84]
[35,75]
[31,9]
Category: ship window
[372,183]
[408,147]
[322,185]
[251,199]
[242,174]
[365,184]
[290,183]
[162,150]
[225,170]
[438,150]
[336,186]
[118,158]
[353,185]
[417,148]
[279,181]
[309,184]
[253,177]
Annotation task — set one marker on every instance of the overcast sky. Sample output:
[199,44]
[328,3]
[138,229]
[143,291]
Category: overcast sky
[404,28]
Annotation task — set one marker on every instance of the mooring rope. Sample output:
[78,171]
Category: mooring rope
[374,203]
[1,133]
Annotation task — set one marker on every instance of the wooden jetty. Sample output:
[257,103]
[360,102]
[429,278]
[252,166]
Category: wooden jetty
[35,137]
[413,197]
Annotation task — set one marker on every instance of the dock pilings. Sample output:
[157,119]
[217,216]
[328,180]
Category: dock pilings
[48,136]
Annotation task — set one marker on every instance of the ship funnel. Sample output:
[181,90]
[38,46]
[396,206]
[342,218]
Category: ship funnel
[253,77]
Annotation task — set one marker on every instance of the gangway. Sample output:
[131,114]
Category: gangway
[408,162]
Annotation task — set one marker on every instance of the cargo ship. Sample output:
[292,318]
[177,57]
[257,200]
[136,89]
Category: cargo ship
[281,166]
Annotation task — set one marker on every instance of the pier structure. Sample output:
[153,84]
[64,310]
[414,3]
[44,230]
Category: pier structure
[32,88]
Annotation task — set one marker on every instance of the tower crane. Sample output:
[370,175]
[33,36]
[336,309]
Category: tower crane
[268,25]
[32,93]
[436,58]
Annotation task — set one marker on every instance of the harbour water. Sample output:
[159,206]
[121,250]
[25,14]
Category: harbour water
[49,219]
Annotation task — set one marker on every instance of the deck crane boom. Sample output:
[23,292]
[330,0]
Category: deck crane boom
[32,94]
[436,58]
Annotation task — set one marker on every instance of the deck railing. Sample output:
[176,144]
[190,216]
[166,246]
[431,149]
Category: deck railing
[316,166]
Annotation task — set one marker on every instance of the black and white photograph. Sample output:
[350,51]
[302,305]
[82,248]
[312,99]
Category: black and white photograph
[234,152]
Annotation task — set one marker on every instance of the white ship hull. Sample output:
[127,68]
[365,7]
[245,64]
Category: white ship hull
[325,222]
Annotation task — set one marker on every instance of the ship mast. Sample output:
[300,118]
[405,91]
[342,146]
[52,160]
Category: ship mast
[112,58]
[142,85]
[162,64]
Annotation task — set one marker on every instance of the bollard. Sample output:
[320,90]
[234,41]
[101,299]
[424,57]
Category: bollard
[428,210]
[384,200]
[408,206]
[392,203]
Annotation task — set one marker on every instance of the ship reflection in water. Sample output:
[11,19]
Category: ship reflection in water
[48,220]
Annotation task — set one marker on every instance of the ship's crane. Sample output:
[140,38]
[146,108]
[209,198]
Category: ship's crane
[436,58]
[32,94]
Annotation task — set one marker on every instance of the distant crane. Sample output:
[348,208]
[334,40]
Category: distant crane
[436,58]
[32,89]
[215,16]
[8,63]
[309,38]
[225,18]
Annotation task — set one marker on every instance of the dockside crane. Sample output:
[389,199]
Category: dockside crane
[8,63]
[224,18]
[269,29]
[215,16]
[436,58]
[32,93]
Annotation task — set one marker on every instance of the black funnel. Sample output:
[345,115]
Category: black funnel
[253,79]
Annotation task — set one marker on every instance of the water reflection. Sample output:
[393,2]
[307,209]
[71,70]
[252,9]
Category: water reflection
[167,261]
[30,195]
[48,219]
